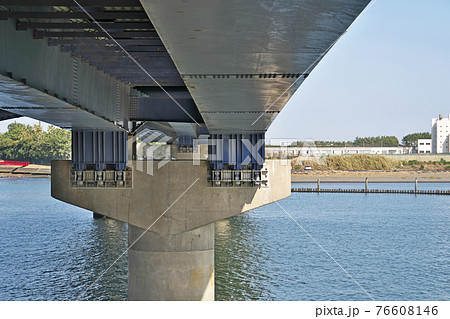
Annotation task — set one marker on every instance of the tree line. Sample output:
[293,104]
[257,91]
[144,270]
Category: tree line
[375,141]
[359,141]
[31,143]
[411,139]
[379,141]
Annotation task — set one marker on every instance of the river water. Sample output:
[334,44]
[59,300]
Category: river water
[394,246]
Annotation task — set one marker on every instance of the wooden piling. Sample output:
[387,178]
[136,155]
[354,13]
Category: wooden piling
[371,191]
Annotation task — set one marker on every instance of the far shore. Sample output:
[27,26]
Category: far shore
[4,175]
[31,170]
[8,175]
[325,176]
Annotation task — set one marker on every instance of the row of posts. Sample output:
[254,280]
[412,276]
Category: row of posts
[367,184]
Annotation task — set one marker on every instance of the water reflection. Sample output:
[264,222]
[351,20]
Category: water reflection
[238,260]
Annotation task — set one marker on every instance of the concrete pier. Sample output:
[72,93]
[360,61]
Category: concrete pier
[174,259]
[171,267]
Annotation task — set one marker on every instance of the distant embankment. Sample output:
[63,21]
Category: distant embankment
[420,157]
[29,170]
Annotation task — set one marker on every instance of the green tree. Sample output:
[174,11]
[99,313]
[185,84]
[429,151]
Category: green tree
[30,143]
[377,141]
[411,139]
[389,141]
[57,143]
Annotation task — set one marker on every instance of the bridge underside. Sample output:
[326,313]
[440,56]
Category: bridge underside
[58,49]
[191,68]
[243,60]
[5,115]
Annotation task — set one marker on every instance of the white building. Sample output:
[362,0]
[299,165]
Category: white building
[280,151]
[424,146]
[440,135]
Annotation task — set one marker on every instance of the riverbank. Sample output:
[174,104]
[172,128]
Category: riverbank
[406,176]
[325,176]
[31,170]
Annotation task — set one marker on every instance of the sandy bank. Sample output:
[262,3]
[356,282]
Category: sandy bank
[31,170]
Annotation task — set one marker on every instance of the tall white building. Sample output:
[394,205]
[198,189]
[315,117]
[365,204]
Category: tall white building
[440,135]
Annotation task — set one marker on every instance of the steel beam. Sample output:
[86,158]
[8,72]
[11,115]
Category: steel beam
[119,35]
[172,90]
[136,84]
[96,42]
[116,60]
[145,48]
[166,110]
[88,55]
[137,72]
[132,74]
[177,92]
[132,65]
[141,59]
[71,3]
[5,115]
[106,49]
[237,151]
[149,82]
[131,77]
[99,148]
[158,54]
[21,25]
[145,78]
[107,15]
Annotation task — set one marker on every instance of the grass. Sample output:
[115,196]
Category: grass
[364,162]
[352,163]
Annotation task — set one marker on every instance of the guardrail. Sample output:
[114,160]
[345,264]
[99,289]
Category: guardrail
[14,163]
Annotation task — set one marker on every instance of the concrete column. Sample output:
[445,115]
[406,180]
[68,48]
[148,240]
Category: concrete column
[171,267]
[175,259]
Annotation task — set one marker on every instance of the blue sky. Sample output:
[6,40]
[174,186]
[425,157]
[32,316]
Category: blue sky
[389,75]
